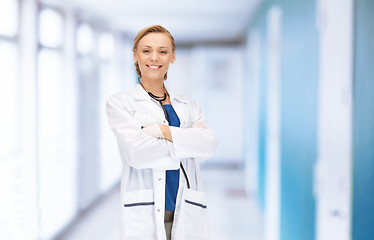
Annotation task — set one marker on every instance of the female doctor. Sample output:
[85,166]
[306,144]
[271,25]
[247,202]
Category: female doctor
[161,139]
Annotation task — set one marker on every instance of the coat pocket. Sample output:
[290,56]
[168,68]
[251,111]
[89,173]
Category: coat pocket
[138,211]
[195,215]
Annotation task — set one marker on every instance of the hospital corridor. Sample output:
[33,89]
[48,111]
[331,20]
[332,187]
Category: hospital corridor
[286,86]
[233,214]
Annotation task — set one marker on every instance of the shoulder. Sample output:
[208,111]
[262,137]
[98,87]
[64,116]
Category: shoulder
[119,97]
[188,102]
[180,98]
[183,98]
[124,96]
[122,100]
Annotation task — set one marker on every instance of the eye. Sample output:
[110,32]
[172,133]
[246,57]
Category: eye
[146,51]
[163,52]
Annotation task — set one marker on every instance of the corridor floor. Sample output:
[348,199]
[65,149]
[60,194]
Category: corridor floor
[233,215]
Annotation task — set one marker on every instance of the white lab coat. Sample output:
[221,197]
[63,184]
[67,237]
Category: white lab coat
[146,159]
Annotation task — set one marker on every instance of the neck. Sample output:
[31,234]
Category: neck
[153,86]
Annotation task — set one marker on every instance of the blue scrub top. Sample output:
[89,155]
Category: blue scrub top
[172,176]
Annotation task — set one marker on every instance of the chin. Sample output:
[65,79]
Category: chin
[154,76]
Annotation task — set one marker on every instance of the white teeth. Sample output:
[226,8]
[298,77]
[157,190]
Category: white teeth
[154,67]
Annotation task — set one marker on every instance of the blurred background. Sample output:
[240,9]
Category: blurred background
[287,85]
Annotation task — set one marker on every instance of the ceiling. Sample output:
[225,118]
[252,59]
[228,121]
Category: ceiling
[189,21]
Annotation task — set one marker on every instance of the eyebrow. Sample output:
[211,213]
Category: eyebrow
[147,46]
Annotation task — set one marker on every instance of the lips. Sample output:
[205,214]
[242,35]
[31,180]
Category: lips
[154,67]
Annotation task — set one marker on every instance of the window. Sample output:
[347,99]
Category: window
[9,84]
[85,39]
[110,82]
[50,64]
[56,119]
[9,102]
[51,28]
[50,100]
[9,18]
[106,46]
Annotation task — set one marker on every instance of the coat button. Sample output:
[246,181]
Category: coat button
[159,179]
[158,210]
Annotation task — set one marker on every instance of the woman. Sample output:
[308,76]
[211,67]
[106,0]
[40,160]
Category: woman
[161,138]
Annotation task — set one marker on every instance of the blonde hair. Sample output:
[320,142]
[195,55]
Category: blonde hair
[145,31]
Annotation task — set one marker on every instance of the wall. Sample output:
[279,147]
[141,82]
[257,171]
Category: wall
[333,169]
[326,134]
[57,154]
[363,122]
[299,118]
[287,139]
[214,77]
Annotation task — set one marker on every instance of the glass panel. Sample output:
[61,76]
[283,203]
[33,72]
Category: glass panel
[57,160]
[9,98]
[51,28]
[85,39]
[49,91]
[110,82]
[8,17]
[106,46]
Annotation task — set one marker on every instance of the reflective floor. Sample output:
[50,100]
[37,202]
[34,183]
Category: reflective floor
[233,215]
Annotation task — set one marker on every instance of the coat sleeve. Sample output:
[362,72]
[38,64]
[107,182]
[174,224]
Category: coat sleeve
[199,143]
[141,150]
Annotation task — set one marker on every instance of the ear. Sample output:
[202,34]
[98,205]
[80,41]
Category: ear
[172,58]
[134,57]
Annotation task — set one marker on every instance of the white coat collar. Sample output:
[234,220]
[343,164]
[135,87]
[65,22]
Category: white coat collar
[140,94]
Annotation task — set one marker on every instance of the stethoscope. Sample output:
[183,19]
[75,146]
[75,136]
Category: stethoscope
[157,98]
[160,100]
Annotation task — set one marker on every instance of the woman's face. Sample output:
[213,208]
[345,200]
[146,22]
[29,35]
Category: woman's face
[154,54]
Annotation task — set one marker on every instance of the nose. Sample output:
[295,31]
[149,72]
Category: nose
[154,56]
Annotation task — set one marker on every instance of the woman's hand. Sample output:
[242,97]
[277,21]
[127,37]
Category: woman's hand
[166,132]
[159,131]
[154,131]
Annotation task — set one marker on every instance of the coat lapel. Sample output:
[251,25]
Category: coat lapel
[153,107]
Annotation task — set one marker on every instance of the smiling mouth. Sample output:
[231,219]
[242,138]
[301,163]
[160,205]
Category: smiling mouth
[154,67]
